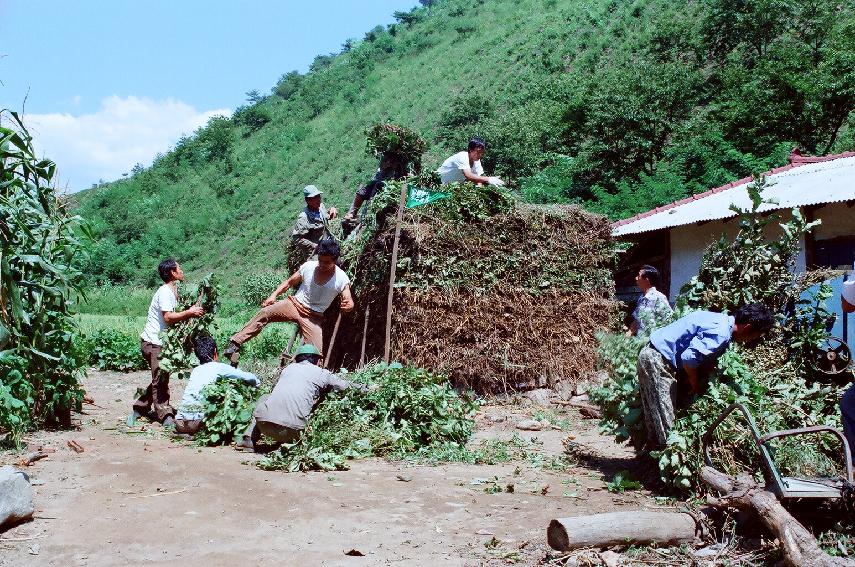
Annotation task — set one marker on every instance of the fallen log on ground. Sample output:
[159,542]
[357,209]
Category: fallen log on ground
[621,528]
[797,543]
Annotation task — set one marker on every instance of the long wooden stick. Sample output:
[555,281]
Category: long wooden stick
[387,351]
[332,340]
[364,336]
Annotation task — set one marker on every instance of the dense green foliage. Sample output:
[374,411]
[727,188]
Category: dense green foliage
[177,357]
[109,349]
[774,379]
[406,410]
[227,407]
[622,106]
[39,258]
[750,267]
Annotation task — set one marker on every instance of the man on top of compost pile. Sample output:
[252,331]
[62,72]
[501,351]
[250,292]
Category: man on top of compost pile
[466,166]
[283,414]
[161,313]
[393,166]
[318,283]
[188,420]
[312,225]
[679,355]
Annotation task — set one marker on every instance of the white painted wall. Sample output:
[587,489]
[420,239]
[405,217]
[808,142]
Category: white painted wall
[838,219]
[689,242]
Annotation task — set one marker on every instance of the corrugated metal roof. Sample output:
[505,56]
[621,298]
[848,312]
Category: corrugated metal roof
[795,185]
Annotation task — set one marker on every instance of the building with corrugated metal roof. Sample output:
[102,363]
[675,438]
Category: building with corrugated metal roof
[673,237]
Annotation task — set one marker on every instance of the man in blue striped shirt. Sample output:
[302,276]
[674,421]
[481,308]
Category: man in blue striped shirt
[681,353]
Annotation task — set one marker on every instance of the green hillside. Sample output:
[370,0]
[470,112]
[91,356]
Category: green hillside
[620,105]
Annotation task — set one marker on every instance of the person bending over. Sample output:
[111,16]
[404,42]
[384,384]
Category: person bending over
[679,355]
[283,414]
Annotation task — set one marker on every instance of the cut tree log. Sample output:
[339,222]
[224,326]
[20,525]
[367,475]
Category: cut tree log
[743,493]
[621,528]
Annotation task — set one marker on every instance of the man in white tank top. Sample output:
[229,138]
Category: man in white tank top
[318,283]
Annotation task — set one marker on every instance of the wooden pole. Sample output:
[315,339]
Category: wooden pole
[332,340]
[364,336]
[620,528]
[286,354]
[387,351]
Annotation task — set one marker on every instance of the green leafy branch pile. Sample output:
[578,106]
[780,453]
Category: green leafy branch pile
[40,251]
[177,357]
[772,379]
[409,409]
[227,406]
[493,293]
[397,140]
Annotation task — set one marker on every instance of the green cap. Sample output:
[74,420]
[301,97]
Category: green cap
[308,348]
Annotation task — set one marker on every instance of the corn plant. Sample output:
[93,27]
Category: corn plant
[41,245]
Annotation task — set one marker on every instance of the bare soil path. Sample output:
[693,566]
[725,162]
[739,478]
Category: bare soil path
[136,497]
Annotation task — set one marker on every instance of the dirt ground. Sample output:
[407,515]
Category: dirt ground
[134,496]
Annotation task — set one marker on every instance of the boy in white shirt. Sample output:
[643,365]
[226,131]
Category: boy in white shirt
[188,420]
[466,166]
[161,313]
[318,283]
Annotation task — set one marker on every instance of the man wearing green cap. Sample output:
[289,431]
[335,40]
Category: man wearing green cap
[312,224]
[283,414]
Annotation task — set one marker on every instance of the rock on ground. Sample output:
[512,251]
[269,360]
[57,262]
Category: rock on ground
[16,496]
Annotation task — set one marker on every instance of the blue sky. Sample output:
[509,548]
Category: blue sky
[110,83]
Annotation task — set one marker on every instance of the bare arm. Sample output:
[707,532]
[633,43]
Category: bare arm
[173,317]
[346,300]
[293,281]
[474,178]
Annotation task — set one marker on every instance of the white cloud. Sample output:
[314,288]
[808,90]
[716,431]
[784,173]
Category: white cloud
[110,141]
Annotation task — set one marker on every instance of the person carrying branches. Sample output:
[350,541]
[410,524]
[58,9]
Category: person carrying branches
[400,152]
[318,283]
[154,400]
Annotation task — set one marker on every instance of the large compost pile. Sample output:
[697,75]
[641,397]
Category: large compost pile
[498,295]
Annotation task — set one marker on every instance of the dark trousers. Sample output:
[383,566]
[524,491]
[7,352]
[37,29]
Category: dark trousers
[188,426]
[155,398]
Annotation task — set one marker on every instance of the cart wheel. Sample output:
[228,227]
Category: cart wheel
[832,356]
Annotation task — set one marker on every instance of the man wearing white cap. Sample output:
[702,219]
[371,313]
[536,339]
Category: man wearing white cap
[312,225]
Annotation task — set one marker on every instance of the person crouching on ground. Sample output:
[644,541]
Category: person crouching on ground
[318,283]
[188,420]
[283,414]
[466,166]
[679,355]
[161,313]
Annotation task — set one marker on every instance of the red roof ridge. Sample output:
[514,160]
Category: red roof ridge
[796,159]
